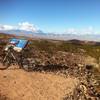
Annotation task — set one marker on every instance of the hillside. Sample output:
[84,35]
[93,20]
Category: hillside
[57,63]
[20,85]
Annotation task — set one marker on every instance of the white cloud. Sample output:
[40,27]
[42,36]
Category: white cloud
[27,26]
[71,31]
[6,27]
[21,26]
[31,27]
[88,30]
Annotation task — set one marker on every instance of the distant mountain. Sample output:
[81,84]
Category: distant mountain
[4,37]
[23,32]
[30,30]
[40,34]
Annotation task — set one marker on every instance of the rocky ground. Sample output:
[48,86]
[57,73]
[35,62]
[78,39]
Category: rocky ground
[76,82]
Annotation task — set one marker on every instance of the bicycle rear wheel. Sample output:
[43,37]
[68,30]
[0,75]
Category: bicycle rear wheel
[5,63]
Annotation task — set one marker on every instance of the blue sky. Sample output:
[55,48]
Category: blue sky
[52,15]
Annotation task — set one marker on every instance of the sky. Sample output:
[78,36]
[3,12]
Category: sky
[52,15]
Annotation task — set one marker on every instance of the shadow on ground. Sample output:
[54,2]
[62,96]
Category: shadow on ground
[49,68]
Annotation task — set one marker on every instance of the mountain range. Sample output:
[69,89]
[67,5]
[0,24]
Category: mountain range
[29,30]
[65,36]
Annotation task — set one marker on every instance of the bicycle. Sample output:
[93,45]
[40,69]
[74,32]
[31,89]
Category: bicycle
[12,57]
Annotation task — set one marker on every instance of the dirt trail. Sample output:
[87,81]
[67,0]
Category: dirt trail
[17,84]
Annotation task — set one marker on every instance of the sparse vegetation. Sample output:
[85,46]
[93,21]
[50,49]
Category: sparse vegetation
[88,49]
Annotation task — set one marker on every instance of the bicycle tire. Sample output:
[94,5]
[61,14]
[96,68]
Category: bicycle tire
[5,64]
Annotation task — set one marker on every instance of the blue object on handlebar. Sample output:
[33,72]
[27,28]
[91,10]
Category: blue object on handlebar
[21,43]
